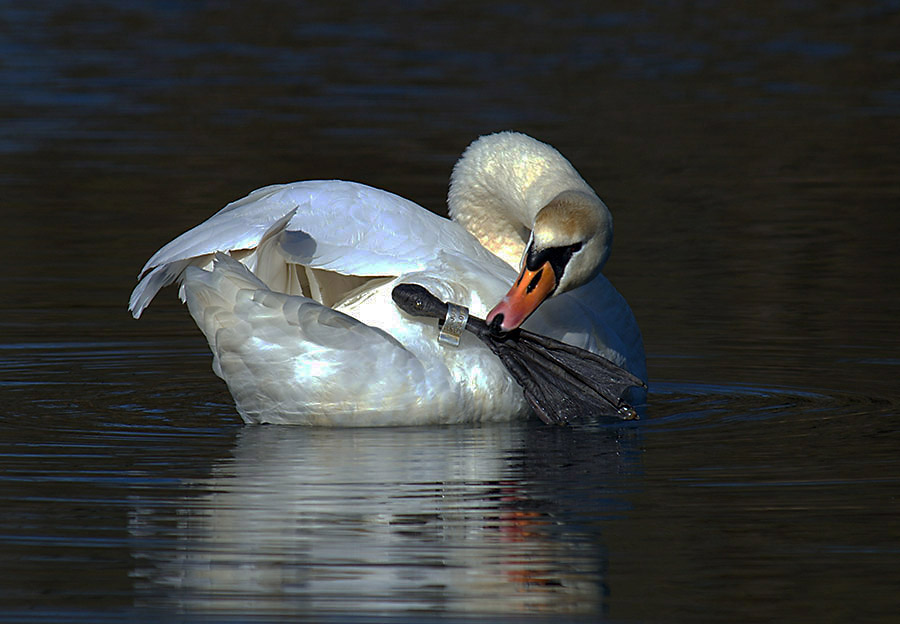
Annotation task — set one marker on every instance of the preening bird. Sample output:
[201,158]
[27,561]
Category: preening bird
[292,284]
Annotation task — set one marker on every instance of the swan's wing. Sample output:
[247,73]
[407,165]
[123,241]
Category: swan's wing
[355,229]
[289,359]
[335,215]
[196,247]
[344,227]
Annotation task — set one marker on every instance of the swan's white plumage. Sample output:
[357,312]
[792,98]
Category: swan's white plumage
[291,287]
[345,227]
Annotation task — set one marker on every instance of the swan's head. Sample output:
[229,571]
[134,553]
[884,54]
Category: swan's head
[570,242]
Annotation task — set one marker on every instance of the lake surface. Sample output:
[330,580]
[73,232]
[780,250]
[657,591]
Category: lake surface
[750,157]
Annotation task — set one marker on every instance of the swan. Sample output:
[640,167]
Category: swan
[291,286]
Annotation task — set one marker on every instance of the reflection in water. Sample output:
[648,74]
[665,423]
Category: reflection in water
[450,519]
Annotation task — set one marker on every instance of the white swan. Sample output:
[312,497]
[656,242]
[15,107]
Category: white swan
[291,287]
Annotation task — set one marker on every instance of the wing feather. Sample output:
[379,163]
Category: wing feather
[345,227]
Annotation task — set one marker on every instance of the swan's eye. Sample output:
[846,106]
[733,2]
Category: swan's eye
[558,257]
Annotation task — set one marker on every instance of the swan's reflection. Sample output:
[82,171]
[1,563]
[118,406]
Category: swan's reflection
[438,519]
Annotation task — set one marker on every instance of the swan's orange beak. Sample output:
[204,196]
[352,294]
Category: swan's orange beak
[529,291]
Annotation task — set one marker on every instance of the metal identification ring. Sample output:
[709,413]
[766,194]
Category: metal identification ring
[454,324]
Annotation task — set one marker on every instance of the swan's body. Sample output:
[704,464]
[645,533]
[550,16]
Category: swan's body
[299,315]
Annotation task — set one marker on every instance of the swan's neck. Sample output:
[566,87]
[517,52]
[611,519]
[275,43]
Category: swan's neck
[500,184]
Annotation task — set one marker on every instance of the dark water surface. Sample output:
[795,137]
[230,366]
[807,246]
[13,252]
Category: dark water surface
[750,156]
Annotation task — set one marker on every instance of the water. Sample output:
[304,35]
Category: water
[749,157]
